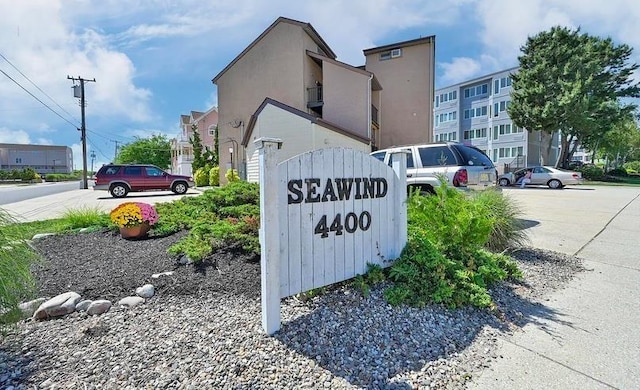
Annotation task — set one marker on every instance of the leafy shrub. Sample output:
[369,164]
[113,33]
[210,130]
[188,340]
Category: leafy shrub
[508,230]
[455,224]
[618,172]
[28,174]
[201,177]
[56,177]
[632,167]
[222,216]
[591,172]
[444,260]
[16,283]
[232,175]
[214,176]
[375,274]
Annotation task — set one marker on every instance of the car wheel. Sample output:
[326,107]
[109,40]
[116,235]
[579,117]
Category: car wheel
[555,184]
[119,190]
[179,188]
[503,182]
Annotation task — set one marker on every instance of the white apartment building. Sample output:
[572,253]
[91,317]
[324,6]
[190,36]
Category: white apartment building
[475,113]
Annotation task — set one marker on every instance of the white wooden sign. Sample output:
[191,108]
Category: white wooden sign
[324,215]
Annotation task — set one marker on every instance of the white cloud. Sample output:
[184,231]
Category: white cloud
[459,69]
[35,39]
[8,136]
[507,24]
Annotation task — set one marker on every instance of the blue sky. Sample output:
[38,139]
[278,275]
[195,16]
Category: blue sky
[153,60]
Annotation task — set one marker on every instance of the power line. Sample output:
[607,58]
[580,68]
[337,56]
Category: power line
[41,102]
[39,89]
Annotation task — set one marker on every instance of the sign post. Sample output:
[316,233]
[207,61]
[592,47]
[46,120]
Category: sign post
[269,237]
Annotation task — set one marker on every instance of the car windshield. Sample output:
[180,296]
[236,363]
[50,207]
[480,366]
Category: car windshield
[473,156]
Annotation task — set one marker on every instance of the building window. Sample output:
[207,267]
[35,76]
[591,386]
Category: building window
[18,160]
[478,90]
[446,117]
[446,97]
[503,82]
[475,112]
[389,54]
[212,130]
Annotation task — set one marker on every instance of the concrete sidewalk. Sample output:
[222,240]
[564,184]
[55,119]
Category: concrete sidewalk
[592,341]
[54,206]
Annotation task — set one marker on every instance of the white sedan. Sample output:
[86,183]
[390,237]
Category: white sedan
[552,177]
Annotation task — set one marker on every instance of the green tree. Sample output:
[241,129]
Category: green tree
[572,82]
[155,150]
[199,158]
[621,143]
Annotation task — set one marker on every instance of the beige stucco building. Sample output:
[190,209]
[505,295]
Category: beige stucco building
[291,64]
[406,71]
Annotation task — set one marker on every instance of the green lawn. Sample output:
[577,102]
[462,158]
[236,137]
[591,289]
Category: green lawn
[633,181]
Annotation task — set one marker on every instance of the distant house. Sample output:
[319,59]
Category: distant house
[42,158]
[300,132]
[291,64]
[181,149]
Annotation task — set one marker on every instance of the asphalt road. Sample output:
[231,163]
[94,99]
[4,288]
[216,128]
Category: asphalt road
[55,205]
[12,193]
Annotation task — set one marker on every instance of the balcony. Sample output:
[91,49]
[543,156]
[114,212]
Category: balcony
[314,97]
[374,116]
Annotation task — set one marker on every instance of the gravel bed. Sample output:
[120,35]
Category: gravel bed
[203,328]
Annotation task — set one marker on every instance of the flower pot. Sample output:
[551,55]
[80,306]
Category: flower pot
[137,231]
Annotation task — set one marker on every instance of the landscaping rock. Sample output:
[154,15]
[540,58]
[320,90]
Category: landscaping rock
[57,306]
[98,307]
[184,260]
[83,305]
[146,291]
[167,273]
[131,301]
[28,308]
[42,235]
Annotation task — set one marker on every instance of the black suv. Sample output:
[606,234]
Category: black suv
[119,180]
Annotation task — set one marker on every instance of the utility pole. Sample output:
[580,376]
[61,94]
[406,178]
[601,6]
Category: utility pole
[83,129]
[93,157]
[115,155]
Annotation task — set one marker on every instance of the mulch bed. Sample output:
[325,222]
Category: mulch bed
[102,265]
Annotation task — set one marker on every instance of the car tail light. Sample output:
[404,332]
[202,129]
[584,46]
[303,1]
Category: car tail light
[576,176]
[461,178]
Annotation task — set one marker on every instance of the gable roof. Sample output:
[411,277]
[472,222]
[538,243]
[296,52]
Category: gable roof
[307,27]
[302,114]
[185,119]
[413,42]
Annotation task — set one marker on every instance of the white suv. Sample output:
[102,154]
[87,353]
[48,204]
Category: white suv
[465,167]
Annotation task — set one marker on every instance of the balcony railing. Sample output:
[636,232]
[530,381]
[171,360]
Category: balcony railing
[314,97]
[374,115]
